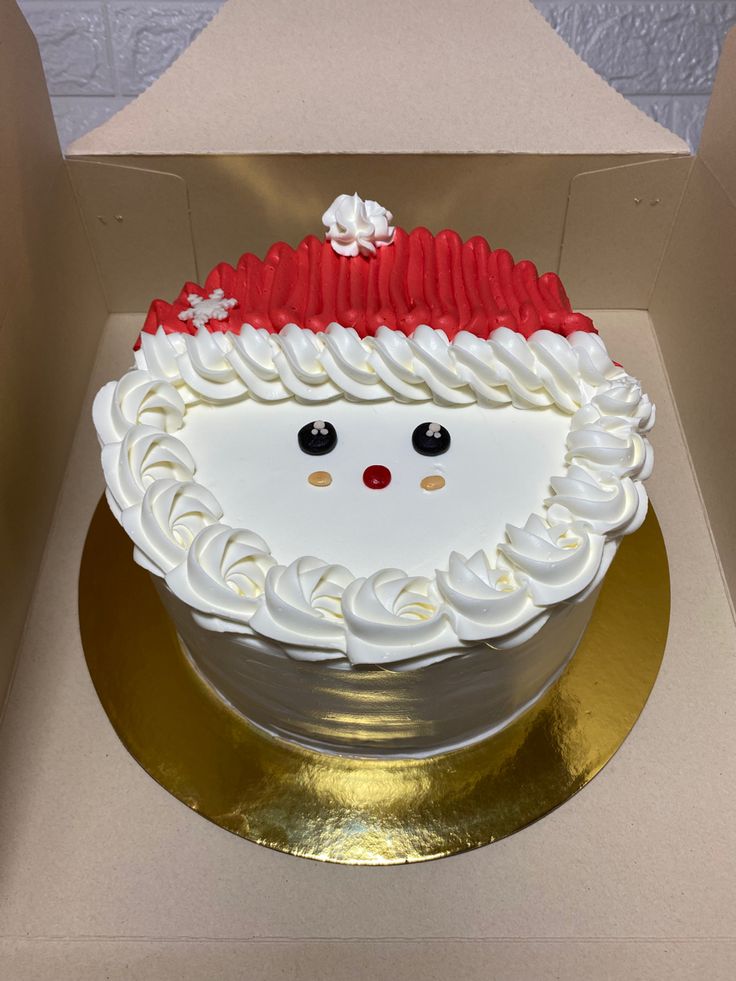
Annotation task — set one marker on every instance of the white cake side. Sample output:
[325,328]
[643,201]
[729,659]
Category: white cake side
[403,518]
[165,418]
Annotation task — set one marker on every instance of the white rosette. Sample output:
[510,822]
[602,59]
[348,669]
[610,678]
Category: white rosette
[606,433]
[557,563]
[594,365]
[301,609]
[357,227]
[223,576]
[625,400]
[166,522]
[394,617]
[488,604]
[137,398]
[607,504]
[144,456]
[608,445]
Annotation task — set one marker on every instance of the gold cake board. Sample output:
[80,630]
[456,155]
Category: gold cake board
[361,811]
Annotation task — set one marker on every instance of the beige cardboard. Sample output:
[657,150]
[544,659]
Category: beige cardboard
[719,132]
[51,315]
[29,155]
[617,225]
[104,874]
[374,960]
[138,225]
[491,146]
[245,203]
[694,310]
[478,76]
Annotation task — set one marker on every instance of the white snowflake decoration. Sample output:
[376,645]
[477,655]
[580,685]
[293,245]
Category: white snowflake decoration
[202,310]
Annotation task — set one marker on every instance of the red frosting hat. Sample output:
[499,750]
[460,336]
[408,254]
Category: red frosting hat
[366,275]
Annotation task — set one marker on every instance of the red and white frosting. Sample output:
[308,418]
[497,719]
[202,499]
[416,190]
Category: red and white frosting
[421,318]
[422,279]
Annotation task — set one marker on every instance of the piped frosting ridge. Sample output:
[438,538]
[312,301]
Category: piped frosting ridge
[418,279]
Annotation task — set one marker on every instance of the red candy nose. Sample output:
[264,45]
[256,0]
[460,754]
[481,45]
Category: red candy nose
[376,477]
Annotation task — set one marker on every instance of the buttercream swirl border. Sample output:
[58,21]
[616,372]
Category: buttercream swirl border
[314,610]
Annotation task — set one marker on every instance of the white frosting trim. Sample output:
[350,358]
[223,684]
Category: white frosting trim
[318,611]
[336,363]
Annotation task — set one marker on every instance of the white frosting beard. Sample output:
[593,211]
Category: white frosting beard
[182,506]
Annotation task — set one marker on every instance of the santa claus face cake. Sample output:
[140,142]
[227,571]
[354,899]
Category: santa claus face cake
[378,481]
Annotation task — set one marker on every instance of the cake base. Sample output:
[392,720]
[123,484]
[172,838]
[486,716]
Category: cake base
[362,811]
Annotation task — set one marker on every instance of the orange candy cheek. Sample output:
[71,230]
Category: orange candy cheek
[320,478]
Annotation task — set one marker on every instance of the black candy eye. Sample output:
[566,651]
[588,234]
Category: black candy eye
[317,438]
[430,439]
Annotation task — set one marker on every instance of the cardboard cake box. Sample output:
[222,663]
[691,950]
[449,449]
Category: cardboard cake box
[486,123]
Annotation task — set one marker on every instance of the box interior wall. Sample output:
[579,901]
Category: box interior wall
[84,245]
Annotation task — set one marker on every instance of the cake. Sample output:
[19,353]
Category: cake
[377,480]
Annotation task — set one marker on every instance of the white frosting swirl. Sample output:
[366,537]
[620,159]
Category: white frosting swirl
[357,227]
[165,523]
[138,398]
[487,603]
[607,504]
[223,576]
[317,367]
[144,455]
[302,608]
[315,611]
[394,617]
[556,561]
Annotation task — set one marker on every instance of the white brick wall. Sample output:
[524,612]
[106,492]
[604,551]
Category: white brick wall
[97,56]
[662,55]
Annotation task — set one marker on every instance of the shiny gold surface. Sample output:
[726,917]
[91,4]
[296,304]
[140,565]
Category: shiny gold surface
[432,483]
[365,811]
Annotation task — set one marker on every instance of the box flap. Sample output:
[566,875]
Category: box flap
[138,224]
[693,308]
[245,203]
[487,76]
[617,225]
[718,142]
[51,316]
[30,158]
